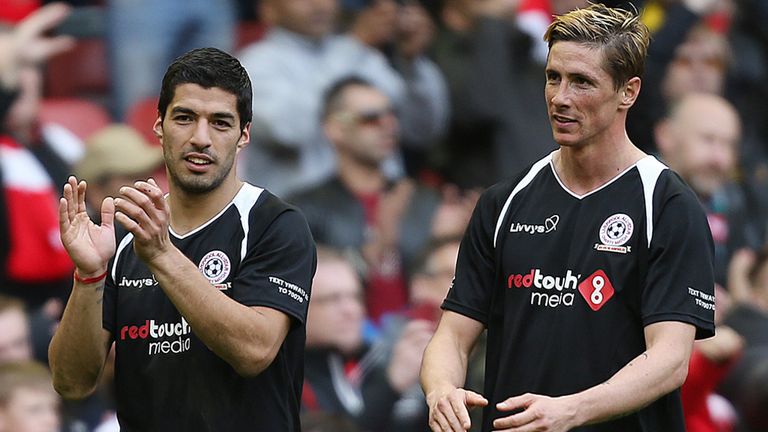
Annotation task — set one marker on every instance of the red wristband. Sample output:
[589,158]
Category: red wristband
[91,279]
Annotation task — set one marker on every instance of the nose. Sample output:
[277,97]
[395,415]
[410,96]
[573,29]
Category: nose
[201,135]
[560,96]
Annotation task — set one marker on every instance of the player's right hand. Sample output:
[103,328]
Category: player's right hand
[449,412]
[89,245]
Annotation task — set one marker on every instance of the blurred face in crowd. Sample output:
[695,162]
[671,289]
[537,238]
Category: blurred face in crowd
[201,137]
[31,409]
[14,336]
[700,141]
[336,310]
[312,18]
[699,65]
[582,102]
[431,286]
[380,19]
[365,129]
[24,110]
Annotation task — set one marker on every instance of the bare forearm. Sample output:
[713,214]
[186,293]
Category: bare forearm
[444,366]
[649,376]
[238,334]
[79,347]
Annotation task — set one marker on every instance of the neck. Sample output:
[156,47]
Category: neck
[189,211]
[360,178]
[586,168]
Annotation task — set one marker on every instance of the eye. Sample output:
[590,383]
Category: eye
[552,78]
[182,118]
[221,124]
[582,82]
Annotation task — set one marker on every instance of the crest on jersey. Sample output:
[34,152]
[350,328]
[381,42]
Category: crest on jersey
[215,266]
[614,232]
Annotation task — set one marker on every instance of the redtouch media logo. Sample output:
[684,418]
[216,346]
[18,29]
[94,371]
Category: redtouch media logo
[154,331]
[554,291]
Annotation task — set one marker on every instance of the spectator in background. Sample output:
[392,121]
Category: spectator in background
[433,273]
[748,287]
[403,31]
[144,37]
[699,139]
[746,384]
[344,374]
[431,278]
[25,338]
[28,166]
[385,221]
[15,340]
[499,121]
[28,402]
[114,157]
[292,67]
[679,54]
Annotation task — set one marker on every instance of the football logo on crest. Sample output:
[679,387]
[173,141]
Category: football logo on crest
[215,266]
[616,230]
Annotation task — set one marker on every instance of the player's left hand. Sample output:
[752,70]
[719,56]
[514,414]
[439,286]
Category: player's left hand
[539,413]
[142,210]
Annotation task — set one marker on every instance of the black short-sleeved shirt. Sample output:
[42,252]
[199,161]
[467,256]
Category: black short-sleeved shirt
[565,283]
[259,252]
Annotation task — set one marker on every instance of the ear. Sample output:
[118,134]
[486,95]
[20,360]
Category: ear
[629,93]
[158,128]
[333,131]
[245,137]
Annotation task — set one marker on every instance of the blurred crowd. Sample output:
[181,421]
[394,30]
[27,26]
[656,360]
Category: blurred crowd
[382,120]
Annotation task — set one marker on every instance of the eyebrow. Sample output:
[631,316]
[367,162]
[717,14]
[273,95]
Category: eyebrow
[217,115]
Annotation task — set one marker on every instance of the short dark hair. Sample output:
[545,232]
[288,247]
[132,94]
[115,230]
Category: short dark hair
[209,67]
[332,100]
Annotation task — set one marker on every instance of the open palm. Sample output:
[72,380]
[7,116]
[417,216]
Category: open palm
[89,245]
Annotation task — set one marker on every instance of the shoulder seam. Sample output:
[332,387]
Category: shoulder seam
[525,181]
[650,170]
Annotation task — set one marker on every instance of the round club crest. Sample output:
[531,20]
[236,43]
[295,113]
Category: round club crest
[616,230]
[215,266]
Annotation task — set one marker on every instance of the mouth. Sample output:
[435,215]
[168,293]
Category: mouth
[198,162]
[562,121]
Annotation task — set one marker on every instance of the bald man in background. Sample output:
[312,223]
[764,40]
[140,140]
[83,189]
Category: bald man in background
[700,139]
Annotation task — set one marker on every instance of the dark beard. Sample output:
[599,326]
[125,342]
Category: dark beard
[195,185]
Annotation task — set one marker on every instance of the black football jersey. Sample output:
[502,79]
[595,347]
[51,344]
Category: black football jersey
[565,283]
[259,252]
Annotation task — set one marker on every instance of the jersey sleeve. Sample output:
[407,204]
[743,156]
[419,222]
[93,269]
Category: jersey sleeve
[473,284]
[278,267]
[680,279]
